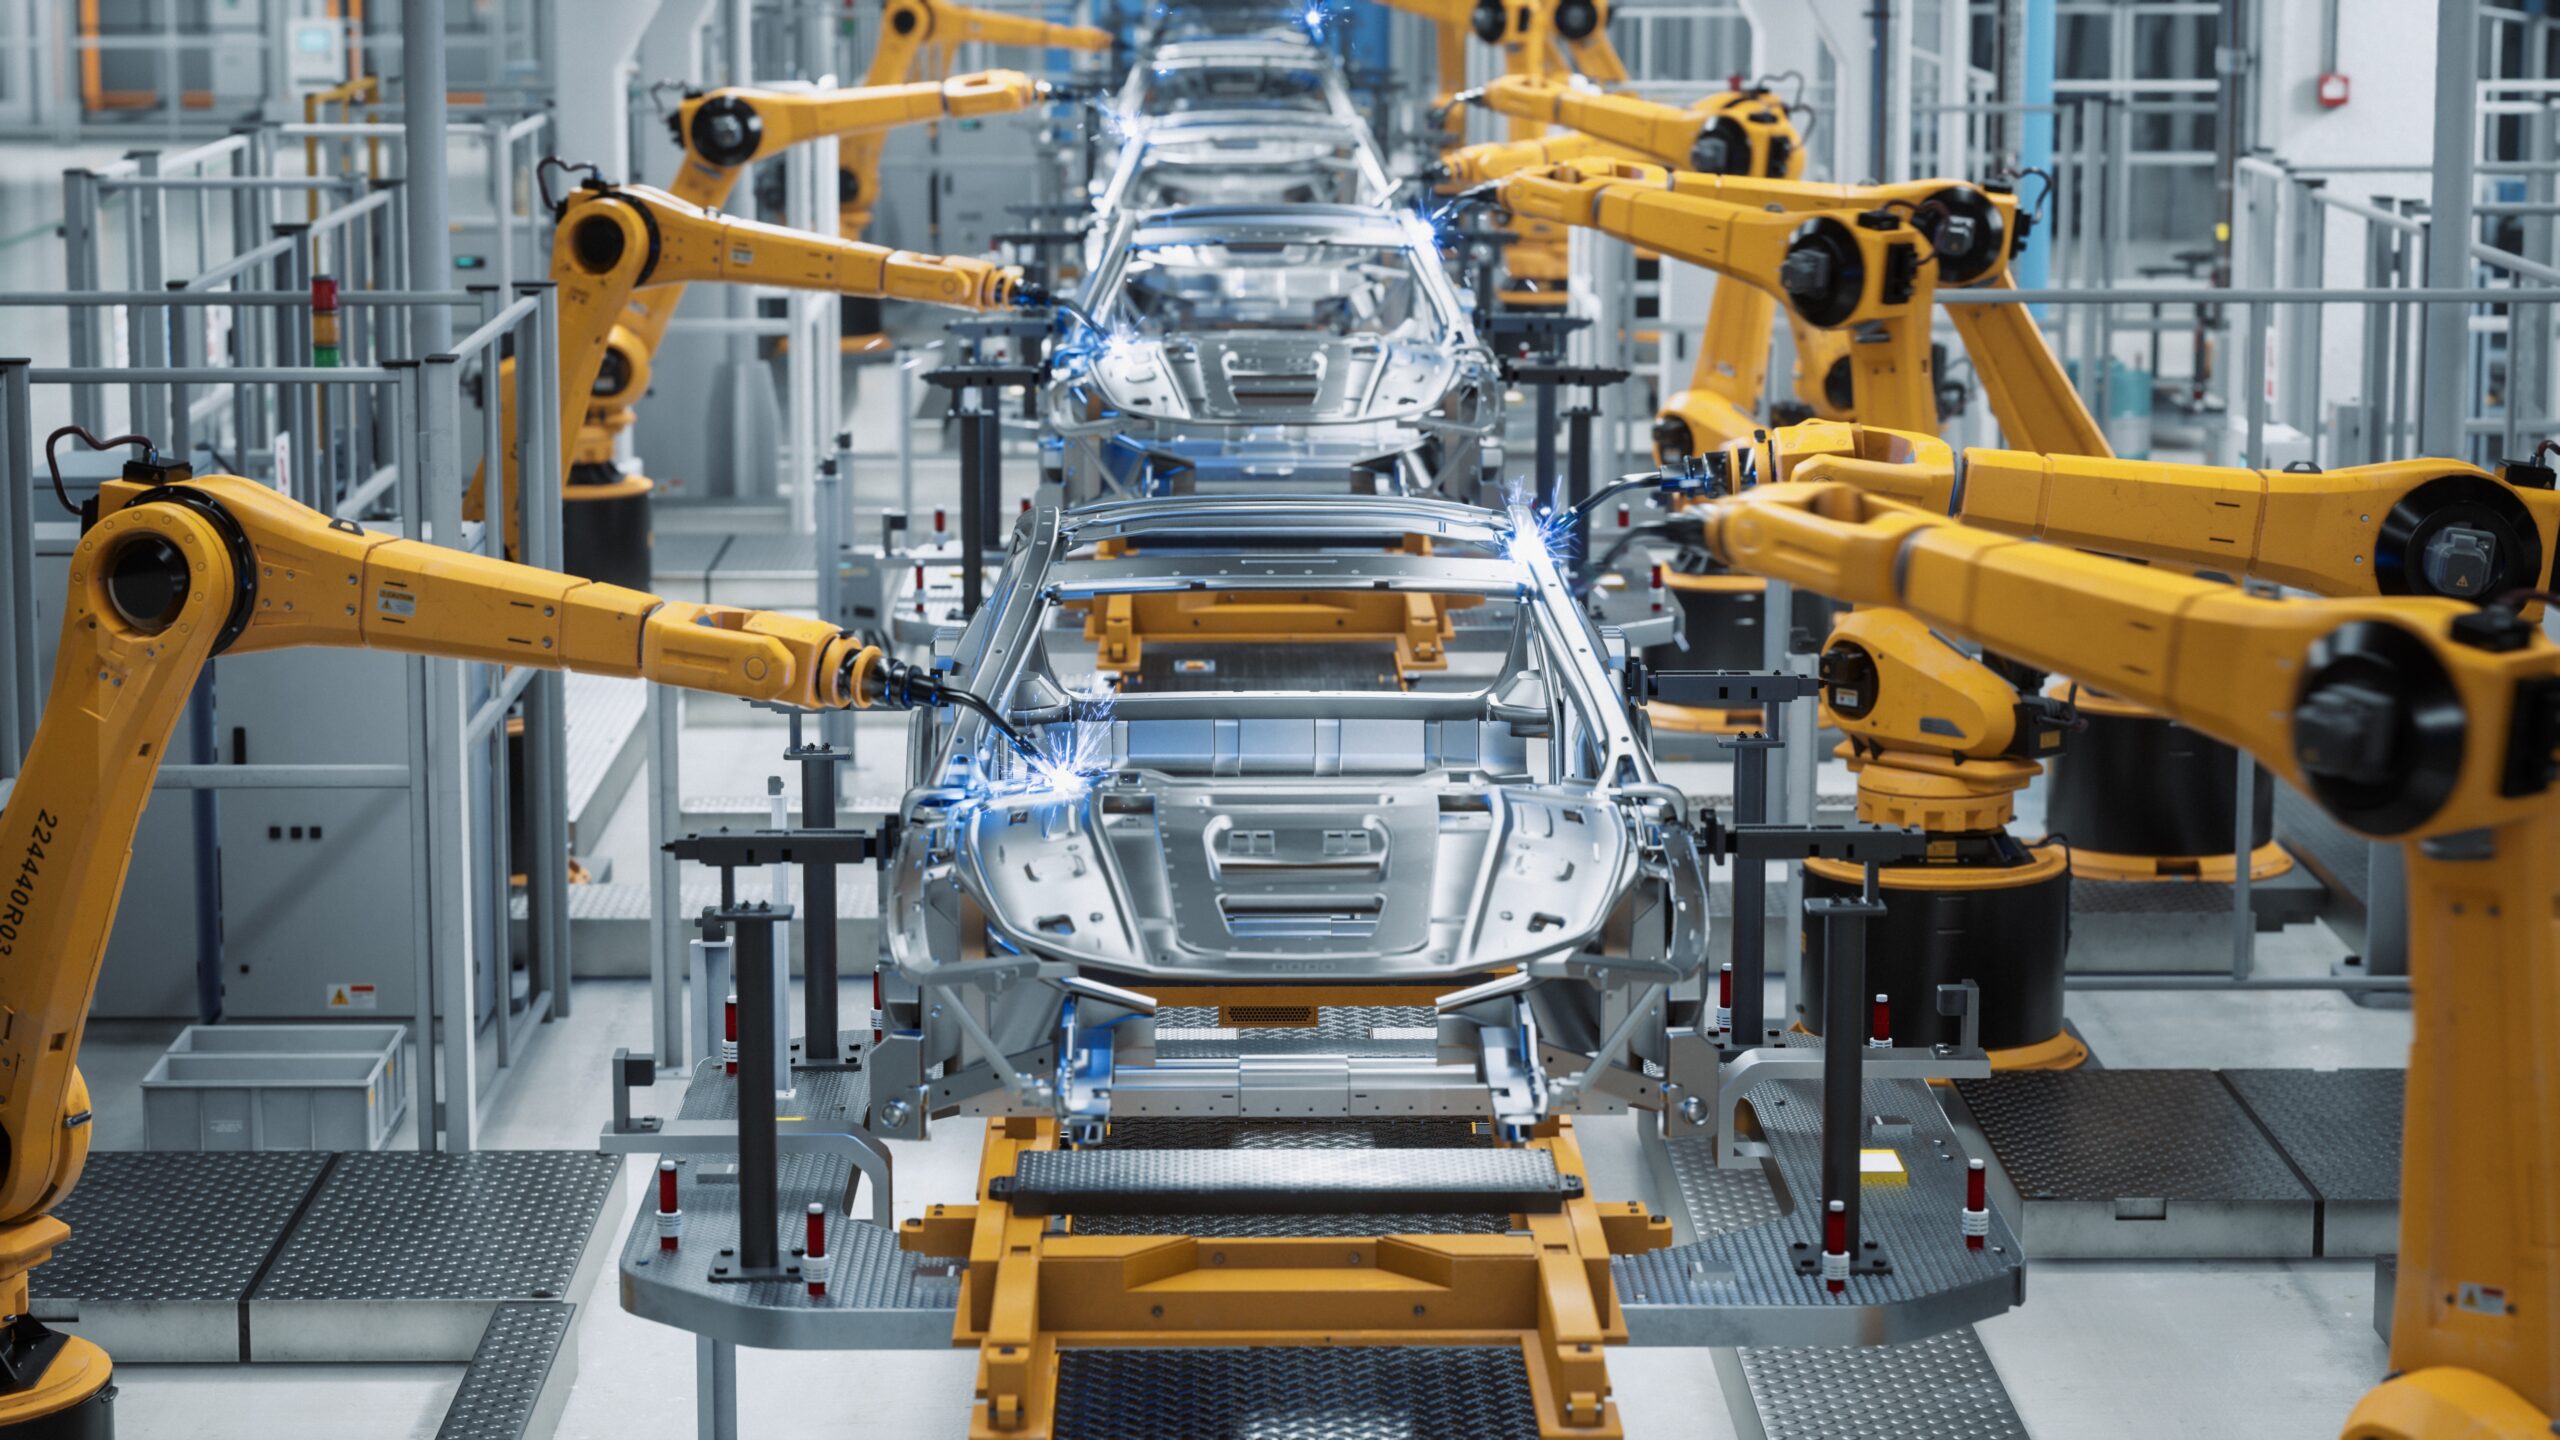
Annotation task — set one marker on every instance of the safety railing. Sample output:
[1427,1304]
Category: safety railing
[454,769]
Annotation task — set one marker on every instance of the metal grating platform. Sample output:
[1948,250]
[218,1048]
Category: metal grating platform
[2138,1164]
[1738,1281]
[1940,1388]
[878,1296]
[165,1246]
[519,1377]
[1350,1393]
[404,1256]
[1472,1180]
[2341,1131]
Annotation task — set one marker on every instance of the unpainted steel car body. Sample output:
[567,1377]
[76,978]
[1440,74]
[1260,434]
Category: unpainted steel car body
[1260,348]
[1288,767]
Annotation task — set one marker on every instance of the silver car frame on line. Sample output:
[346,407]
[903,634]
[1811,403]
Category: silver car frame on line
[1319,348]
[1508,840]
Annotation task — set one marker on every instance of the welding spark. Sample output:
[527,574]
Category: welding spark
[1537,532]
[1089,344]
[1066,756]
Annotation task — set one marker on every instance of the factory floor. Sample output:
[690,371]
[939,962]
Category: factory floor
[2117,1351]
[2100,1351]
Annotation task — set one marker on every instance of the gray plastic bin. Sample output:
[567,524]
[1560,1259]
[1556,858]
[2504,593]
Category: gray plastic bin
[275,1087]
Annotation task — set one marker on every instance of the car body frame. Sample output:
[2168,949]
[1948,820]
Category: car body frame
[1491,830]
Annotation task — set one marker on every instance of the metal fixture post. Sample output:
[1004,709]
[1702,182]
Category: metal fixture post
[819,1029]
[1844,1004]
[1750,927]
[973,534]
[759,1244]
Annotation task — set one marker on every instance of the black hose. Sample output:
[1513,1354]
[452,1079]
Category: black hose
[94,443]
[968,701]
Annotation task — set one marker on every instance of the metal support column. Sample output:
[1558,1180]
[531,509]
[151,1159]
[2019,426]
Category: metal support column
[2446,390]
[80,264]
[669,942]
[545,782]
[18,709]
[422,111]
[832,503]
[715,1389]
[410,448]
[447,858]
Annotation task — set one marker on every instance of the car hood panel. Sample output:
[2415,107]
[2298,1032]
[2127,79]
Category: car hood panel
[1237,880]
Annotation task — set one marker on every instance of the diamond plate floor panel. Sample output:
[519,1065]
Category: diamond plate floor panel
[1940,1388]
[1291,1393]
[404,1256]
[519,1375]
[2139,1164]
[2341,1130]
[165,1245]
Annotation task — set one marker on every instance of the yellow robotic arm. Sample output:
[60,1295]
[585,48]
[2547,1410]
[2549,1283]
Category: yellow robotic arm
[724,131]
[1732,132]
[1725,385]
[1969,233]
[907,28]
[2437,528]
[2428,721]
[1471,165]
[177,569]
[1582,28]
[1848,265]
[614,240]
[2409,527]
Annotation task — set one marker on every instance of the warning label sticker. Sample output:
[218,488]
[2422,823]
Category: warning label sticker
[351,997]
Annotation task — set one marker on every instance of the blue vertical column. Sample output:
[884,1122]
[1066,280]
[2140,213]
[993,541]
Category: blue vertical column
[1371,28]
[2035,139]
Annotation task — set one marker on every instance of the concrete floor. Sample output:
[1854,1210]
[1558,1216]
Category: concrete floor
[2100,1351]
